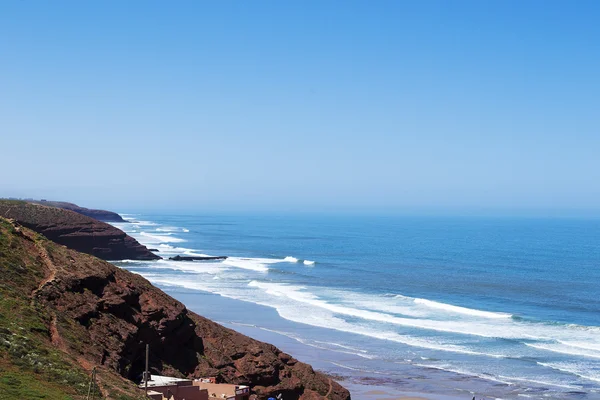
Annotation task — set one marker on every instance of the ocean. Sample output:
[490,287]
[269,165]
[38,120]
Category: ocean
[450,307]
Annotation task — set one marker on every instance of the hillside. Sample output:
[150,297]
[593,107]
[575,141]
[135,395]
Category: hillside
[76,231]
[62,312]
[100,215]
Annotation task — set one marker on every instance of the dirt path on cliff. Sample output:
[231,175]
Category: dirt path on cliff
[330,388]
[43,253]
[55,337]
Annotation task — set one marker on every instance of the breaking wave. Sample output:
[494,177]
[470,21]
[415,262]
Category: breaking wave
[564,349]
[153,238]
[429,328]
[461,310]
[589,372]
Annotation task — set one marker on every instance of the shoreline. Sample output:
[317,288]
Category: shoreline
[401,375]
[419,384]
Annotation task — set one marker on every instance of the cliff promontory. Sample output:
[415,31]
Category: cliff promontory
[76,231]
[100,215]
[63,312]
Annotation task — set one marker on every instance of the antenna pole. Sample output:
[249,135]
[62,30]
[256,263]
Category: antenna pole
[92,383]
[146,373]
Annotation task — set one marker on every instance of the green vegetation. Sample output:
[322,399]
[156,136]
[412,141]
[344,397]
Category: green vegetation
[22,385]
[31,367]
[12,202]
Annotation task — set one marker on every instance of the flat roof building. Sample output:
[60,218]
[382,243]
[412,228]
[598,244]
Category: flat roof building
[223,390]
[169,388]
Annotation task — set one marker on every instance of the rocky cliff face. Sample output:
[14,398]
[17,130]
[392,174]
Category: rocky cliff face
[76,231]
[100,215]
[103,315]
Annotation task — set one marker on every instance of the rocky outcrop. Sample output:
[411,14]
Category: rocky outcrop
[104,315]
[100,215]
[76,231]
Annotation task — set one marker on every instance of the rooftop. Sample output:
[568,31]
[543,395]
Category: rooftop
[160,380]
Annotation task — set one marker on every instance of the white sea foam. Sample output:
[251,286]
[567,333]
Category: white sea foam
[490,328]
[347,367]
[167,249]
[342,346]
[375,315]
[461,310]
[152,238]
[254,264]
[167,229]
[211,268]
[143,223]
[185,230]
[315,344]
[564,349]
[582,370]
[299,312]
[436,344]
[297,294]
[291,312]
[402,297]
[539,382]
[300,305]
[582,345]
[450,368]
[192,253]
[383,303]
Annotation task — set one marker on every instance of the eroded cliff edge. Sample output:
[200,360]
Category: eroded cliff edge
[76,231]
[100,215]
[96,314]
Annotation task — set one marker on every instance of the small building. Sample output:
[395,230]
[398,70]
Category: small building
[223,390]
[169,388]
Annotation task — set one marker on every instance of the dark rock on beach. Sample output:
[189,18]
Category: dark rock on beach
[76,231]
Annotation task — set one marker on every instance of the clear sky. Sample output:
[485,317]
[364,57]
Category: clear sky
[375,106]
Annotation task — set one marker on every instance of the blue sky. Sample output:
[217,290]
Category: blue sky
[387,106]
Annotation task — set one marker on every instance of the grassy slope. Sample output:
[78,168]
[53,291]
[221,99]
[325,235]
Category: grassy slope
[31,367]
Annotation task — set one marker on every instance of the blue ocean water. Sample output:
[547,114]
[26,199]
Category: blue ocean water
[437,304]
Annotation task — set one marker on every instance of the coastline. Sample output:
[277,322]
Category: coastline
[201,286]
[435,385]
[70,305]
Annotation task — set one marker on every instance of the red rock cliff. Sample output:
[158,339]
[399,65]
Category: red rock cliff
[76,231]
[104,316]
[100,215]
